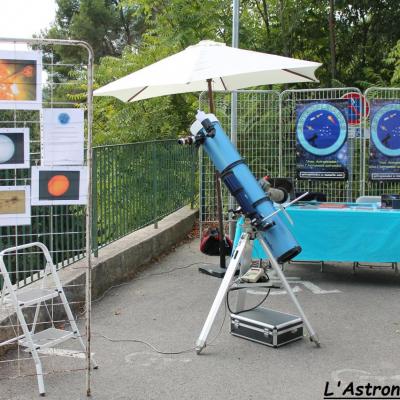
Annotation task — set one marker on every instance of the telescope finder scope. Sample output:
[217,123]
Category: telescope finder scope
[186,140]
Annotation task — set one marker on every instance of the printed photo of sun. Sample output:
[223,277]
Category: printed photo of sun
[18,80]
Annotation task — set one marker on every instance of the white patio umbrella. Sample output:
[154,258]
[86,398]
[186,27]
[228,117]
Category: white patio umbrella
[197,67]
[209,66]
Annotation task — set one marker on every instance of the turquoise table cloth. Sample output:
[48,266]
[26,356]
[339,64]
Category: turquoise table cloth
[362,233]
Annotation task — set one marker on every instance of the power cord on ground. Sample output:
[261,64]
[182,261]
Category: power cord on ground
[231,289]
[248,309]
[146,276]
[133,340]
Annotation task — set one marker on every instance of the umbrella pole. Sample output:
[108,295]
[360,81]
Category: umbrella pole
[218,189]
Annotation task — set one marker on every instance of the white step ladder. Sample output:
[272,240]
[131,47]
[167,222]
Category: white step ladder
[32,340]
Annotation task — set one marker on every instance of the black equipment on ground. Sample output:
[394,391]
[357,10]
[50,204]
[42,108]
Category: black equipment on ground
[265,326]
[210,243]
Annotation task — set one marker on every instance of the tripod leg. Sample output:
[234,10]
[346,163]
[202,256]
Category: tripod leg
[230,273]
[275,266]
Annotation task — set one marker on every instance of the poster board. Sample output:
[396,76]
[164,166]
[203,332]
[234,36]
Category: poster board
[14,148]
[62,136]
[59,185]
[20,80]
[384,149]
[15,208]
[321,141]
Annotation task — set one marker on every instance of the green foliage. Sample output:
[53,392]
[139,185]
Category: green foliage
[366,32]
[108,25]
[130,34]
[118,122]
[394,61]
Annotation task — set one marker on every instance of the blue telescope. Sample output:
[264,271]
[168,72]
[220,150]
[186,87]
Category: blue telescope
[242,184]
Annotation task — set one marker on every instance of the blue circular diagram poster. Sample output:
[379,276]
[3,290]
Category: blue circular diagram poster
[321,141]
[384,148]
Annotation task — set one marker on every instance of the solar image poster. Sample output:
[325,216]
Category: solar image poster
[321,141]
[20,80]
[14,148]
[384,145]
[15,207]
[59,185]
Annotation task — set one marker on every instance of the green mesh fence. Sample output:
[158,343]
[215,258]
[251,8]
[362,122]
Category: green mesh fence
[137,184]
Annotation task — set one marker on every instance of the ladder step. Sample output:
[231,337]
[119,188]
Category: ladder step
[48,338]
[33,296]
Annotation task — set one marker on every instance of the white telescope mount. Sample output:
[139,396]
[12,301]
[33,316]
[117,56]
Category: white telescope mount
[241,259]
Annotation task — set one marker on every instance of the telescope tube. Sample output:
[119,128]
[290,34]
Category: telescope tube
[242,184]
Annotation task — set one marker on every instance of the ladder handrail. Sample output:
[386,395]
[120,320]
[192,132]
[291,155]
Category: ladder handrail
[45,250]
[26,246]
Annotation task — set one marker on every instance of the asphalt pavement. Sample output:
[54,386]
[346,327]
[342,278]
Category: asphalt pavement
[356,317]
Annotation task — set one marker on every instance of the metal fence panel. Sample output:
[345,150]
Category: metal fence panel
[61,228]
[335,190]
[138,184]
[266,138]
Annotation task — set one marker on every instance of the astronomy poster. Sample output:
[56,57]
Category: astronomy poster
[321,141]
[384,147]
[15,208]
[14,148]
[20,80]
[59,185]
[62,137]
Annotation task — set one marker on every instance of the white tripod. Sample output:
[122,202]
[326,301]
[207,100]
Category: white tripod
[237,262]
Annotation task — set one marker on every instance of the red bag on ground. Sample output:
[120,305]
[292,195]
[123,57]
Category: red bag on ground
[210,243]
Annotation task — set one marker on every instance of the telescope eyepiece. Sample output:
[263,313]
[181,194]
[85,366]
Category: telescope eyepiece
[186,140]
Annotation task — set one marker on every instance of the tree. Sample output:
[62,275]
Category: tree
[171,27]
[108,25]
[366,32]
[332,39]
[352,40]
[393,61]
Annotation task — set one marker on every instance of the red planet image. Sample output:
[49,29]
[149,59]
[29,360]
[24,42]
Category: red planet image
[58,185]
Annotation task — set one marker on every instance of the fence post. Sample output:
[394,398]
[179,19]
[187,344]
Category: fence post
[95,244]
[155,175]
[193,161]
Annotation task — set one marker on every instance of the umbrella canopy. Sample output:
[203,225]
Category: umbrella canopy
[189,70]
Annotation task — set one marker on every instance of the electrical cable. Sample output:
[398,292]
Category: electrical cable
[155,348]
[143,342]
[132,340]
[249,309]
[231,289]
[146,276]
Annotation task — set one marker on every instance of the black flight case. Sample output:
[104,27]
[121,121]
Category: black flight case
[265,326]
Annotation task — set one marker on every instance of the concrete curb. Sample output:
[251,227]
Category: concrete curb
[116,263]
